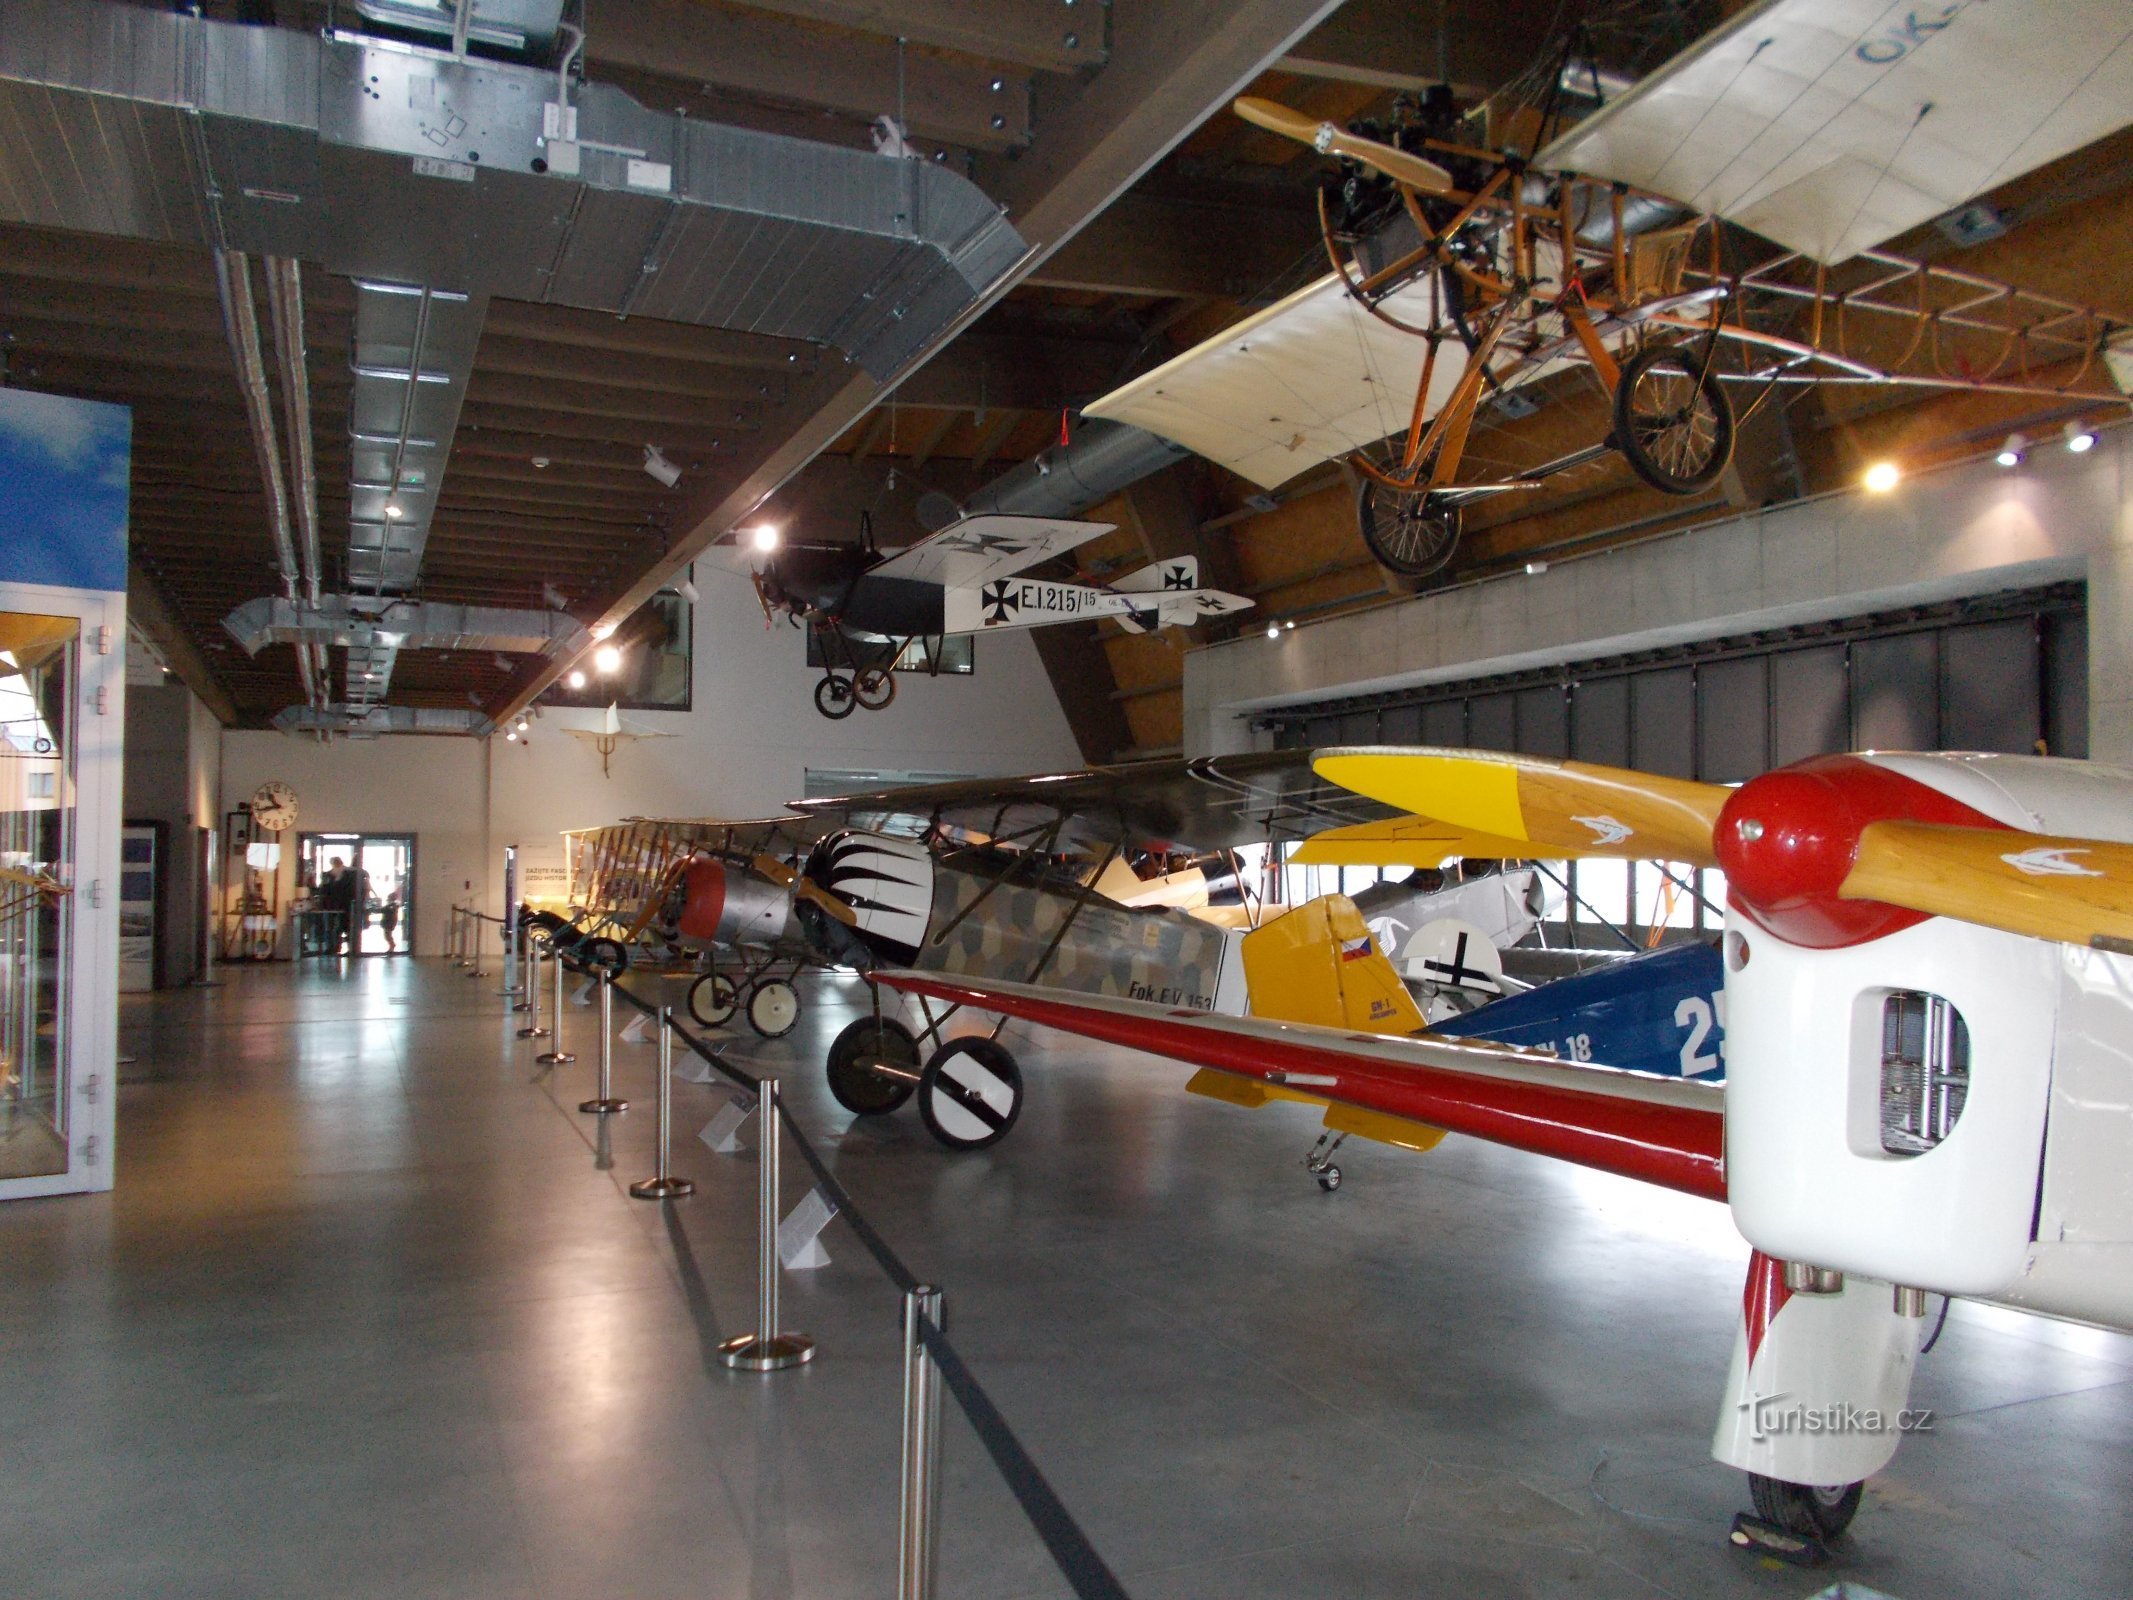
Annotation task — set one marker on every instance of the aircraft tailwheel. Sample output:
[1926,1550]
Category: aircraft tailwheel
[834,697]
[1411,531]
[773,1008]
[874,688]
[1330,1179]
[970,1093]
[854,1079]
[713,1000]
[1819,1511]
[1673,422]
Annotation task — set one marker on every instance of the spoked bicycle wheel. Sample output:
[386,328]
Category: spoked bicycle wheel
[1410,531]
[1673,423]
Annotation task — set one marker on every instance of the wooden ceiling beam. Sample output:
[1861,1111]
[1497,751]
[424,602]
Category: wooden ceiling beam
[1032,33]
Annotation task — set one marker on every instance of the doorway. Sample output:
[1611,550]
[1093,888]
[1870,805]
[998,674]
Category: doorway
[383,921]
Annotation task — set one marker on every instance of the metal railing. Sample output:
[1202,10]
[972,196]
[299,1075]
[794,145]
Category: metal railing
[930,1362]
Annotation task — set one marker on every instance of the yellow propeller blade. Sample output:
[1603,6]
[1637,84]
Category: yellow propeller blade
[804,888]
[773,869]
[1328,139]
[1559,808]
[2076,890]
[1408,842]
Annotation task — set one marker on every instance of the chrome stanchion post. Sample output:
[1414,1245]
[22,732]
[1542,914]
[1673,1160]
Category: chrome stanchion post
[474,918]
[662,1184]
[919,1526]
[512,932]
[606,1101]
[532,1002]
[555,1055]
[767,1350]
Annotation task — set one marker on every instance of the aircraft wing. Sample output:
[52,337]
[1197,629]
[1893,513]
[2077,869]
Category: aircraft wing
[1665,1131]
[1832,125]
[1310,378]
[1211,803]
[978,549]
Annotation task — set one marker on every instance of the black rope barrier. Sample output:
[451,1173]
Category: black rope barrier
[1086,1571]
[1071,1550]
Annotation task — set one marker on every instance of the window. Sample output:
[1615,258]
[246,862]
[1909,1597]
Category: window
[652,662]
[958,654]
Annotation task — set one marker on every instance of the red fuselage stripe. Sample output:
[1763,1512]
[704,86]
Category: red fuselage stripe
[1677,1147]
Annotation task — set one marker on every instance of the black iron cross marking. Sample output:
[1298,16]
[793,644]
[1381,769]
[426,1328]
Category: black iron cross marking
[1457,973]
[1000,601]
[988,544]
[1177,578]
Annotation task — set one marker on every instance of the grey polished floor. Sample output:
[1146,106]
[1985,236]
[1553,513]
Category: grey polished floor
[370,1314]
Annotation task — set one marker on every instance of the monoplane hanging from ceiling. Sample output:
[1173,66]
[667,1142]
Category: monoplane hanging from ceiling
[1713,233]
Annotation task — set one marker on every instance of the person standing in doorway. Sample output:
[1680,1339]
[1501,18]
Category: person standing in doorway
[333,897]
[389,918]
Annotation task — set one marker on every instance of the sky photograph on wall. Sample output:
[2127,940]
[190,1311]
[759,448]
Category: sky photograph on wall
[65,470]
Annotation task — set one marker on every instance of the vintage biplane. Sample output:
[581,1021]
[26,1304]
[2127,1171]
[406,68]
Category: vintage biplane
[719,895]
[1712,233]
[1018,879]
[1929,971]
[970,577]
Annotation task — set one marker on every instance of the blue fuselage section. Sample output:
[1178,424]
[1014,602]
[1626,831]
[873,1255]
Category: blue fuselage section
[1663,1011]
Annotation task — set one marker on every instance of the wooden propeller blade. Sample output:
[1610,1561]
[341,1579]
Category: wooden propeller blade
[1558,808]
[2076,890]
[1408,842]
[773,869]
[1327,139]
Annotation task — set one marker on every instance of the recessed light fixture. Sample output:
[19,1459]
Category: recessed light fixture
[607,659]
[2079,439]
[2011,452]
[1883,476]
[540,461]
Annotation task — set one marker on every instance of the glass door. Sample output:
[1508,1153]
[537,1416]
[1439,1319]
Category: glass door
[360,890]
[387,920]
[37,671]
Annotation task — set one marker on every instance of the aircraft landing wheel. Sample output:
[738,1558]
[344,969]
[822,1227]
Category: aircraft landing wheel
[970,1093]
[1411,531]
[773,1008]
[834,697]
[1675,432]
[713,1000]
[874,688]
[859,1088]
[1819,1511]
[1330,1179]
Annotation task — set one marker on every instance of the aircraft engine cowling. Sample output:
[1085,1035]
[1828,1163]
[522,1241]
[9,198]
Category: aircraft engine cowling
[727,904]
[887,882]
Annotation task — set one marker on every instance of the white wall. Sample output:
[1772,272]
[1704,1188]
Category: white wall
[742,752]
[1963,531]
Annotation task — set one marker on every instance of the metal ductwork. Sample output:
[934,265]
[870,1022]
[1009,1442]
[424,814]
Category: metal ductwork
[370,722]
[1064,481]
[404,164]
[356,622]
[436,181]
[524,25]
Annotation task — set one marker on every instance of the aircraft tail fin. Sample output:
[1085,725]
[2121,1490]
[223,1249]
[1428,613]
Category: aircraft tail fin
[1179,572]
[1318,964]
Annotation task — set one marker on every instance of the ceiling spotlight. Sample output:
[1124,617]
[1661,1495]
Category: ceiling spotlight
[660,467]
[2078,438]
[763,536]
[393,511]
[687,590]
[1535,568]
[540,461]
[511,737]
[1291,626]
[2011,452]
[1883,476]
[607,659]
[1273,630]
[524,726]
[576,680]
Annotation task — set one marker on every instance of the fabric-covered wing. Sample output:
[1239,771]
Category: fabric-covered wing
[1662,1130]
[1832,125]
[1307,379]
[1211,803]
[978,549]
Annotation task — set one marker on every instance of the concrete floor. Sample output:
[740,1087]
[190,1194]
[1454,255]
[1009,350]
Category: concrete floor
[371,1315]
